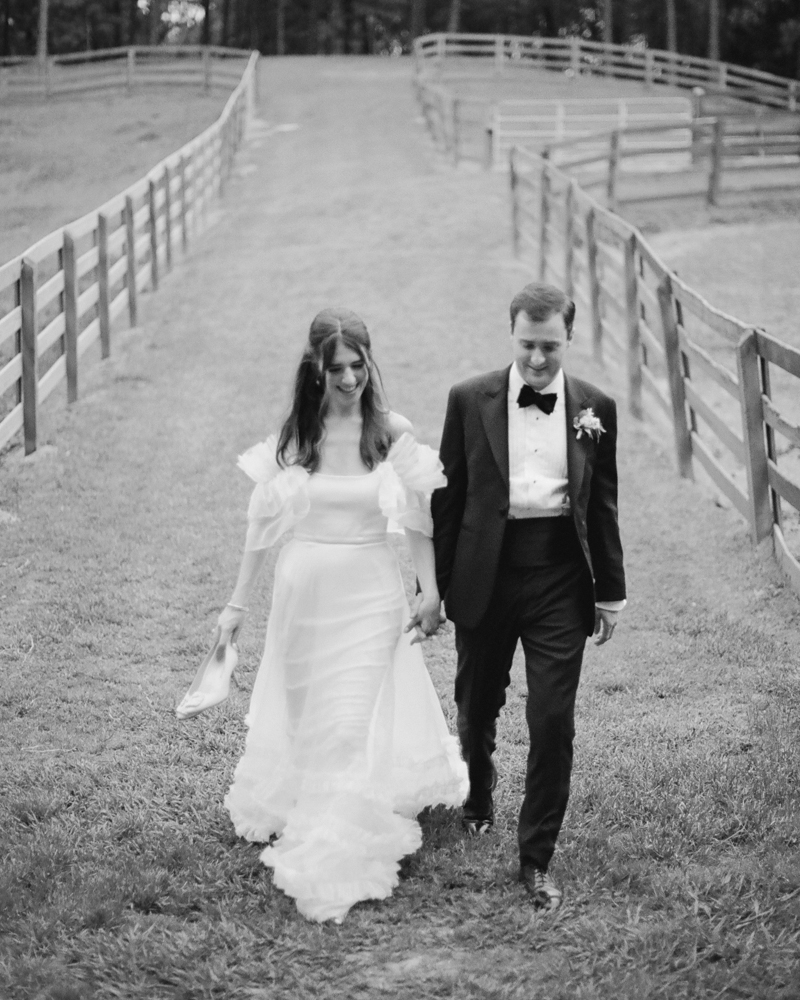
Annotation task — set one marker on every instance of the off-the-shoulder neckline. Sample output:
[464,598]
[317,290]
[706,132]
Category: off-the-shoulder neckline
[340,475]
[363,475]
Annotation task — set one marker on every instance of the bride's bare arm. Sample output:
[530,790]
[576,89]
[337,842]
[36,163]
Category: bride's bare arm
[425,609]
[233,614]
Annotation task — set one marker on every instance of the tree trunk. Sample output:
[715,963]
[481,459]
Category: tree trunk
[226,23]
[133,10]
[6,29]
[337,27]
[206,36]
[672,27]
[454,17]
[417,18]
[312,29]
[713,29]
[41,38]
[280,28]
[347,26]
[608,21]
[155,22]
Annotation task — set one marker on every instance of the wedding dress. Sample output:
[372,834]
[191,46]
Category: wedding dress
[346,738]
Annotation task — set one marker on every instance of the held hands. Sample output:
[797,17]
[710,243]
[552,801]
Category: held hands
[426,617]
[230,622]
[604,624]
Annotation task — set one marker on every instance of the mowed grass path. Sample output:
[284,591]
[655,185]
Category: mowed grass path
[119,542]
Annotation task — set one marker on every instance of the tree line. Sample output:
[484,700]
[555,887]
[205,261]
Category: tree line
[764,34]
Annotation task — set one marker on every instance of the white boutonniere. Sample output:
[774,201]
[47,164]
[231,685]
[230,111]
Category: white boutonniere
[587,423]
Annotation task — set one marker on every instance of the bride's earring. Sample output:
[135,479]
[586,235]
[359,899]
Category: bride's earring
[211,683]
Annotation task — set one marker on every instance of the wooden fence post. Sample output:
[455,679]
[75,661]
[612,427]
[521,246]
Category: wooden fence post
[29,323]
[544,214]
[499,53]
[153,222]
[648,67]
[454,112]
[613,167]
[130,251]
[103,296]
[569,238]
[184,230]
[575,56]
[168,216]
[791,97]
[632,323]
[206,69]
[68,260]
[760,508]
[488,147]
[514,199]
[130,68]
[594,286]
[717,152]
[672,350]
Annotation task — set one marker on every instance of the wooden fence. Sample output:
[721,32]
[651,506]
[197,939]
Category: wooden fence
[127,68]
[760,119]
[714,159]
[730,391]
[63,293]
[458,53]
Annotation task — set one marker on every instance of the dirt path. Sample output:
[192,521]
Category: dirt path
[121,539]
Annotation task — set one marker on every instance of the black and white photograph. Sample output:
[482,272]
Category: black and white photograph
[400,499]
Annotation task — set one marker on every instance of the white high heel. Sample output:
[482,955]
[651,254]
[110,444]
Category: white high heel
[211,683]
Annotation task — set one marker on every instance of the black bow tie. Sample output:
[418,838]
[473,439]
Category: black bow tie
[546,401]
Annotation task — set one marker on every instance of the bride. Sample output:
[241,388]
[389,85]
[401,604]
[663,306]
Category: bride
[346,738]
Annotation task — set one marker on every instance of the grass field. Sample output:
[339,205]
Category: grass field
[122,877]
[63,158]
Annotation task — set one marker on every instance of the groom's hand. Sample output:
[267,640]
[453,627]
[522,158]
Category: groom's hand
[604,624]
[426,617]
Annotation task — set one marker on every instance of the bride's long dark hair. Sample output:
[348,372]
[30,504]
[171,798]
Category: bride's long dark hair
[301,436]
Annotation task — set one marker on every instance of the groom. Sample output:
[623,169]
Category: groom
[528,548]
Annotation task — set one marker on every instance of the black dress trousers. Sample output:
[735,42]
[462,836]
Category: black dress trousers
[539,594]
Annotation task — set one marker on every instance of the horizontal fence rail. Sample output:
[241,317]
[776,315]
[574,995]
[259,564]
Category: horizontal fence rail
[757,147]
[714,159]
[579,57]
[127,68]
[63,294]
[730,392]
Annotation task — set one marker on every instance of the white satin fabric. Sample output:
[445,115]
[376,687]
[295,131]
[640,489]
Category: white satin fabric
[346,738]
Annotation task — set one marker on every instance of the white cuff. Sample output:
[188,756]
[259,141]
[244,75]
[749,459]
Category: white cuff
[610,605]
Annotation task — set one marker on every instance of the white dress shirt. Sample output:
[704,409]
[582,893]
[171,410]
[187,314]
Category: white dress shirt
[537,458]
[537,453]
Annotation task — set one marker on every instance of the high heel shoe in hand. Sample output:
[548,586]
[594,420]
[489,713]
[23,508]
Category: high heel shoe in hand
[211,684]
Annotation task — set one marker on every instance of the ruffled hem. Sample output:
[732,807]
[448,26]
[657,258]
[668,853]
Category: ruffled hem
[353,855]
[442,780]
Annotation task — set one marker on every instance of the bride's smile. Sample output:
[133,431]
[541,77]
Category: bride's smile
[346,377]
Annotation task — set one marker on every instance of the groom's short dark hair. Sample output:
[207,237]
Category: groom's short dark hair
[539,302]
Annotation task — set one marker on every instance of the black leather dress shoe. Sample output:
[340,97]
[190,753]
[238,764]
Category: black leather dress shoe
[477,826]
[540,887]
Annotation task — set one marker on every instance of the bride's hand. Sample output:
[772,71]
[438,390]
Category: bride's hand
[230,622]
[425,617]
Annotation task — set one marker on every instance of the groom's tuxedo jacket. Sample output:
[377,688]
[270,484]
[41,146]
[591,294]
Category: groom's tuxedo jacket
[470,513]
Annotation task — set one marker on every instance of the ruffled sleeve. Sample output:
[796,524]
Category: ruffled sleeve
[411,472]
[279,499]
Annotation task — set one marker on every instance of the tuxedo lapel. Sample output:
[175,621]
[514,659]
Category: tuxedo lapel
[574,400]
[493,405]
